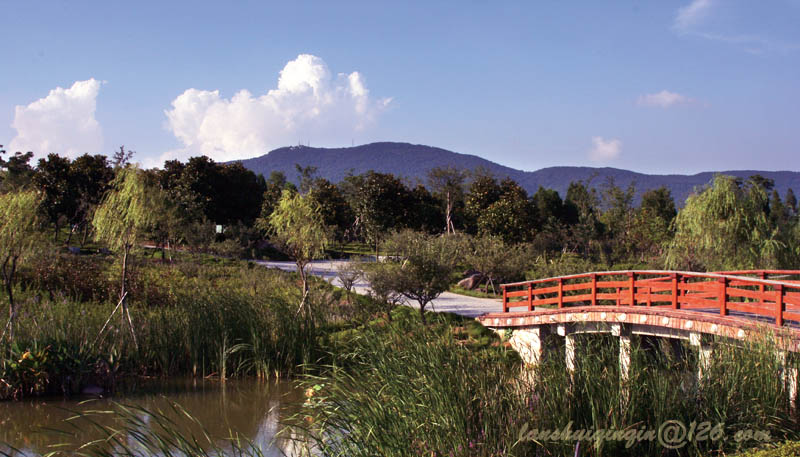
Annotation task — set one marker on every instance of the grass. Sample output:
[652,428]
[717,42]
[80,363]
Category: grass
[428,394]
[199,315]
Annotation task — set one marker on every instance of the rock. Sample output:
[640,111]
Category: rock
[471,281]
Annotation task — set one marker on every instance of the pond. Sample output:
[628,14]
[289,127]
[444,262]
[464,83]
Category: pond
[252,409]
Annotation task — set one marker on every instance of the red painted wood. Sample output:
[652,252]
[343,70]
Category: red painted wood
[530,297]
[632,286]
[676,290]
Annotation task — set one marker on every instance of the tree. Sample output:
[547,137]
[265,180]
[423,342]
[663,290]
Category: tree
[423,271]
[19,235]
[483,192]
[653,221]
[618,218]
[383,287]
[380,202]
[447,184]
[126,213]
[16,171]
[791,202]
[586,227]
[54,180]
[90,176]
[496,260]
[297,228]
[121,158]
[511,217]
[336,213]
[724,227]
[425,212]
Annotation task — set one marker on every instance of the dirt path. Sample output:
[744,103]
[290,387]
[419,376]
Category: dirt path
[448,301]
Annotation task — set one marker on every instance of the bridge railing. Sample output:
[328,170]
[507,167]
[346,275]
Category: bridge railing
[725,293]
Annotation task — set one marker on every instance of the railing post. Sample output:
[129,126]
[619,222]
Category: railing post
[762,275]
[675,304]
[530,297]
[649,296]
[594,289]
[723,296]
[505,299]
[632,281]
[780,306]
[560,292]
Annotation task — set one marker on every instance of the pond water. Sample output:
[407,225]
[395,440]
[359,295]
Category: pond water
[255,410]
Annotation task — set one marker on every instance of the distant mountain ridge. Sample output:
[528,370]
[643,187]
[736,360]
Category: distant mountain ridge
[413,162]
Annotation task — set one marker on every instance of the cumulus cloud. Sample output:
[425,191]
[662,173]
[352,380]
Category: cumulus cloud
[605,150]
[309,104]
[664,99]
[691,14]
[63,122]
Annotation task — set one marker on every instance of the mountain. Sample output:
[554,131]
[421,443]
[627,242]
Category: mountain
[413,162]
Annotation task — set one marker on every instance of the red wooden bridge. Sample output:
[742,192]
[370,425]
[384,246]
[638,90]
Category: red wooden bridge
[732,305]
[728,303]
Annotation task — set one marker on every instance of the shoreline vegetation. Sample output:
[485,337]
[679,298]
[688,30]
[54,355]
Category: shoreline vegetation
[381,379]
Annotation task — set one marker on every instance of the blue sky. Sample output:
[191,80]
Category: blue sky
[660,87]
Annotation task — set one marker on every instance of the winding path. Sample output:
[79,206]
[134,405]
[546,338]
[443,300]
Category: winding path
[448,301]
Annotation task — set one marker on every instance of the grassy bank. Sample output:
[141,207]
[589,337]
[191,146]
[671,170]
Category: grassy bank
[196,316]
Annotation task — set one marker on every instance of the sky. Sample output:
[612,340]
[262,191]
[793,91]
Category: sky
[662,87]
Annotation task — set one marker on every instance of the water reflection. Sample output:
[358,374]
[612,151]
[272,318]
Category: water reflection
[255,410]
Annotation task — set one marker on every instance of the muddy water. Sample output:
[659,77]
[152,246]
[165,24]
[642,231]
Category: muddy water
[255,410]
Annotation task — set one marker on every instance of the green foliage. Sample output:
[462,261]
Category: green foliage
[788,449]
[423,266]
[511,217]
[725,227]
[19,236]
[19,224]
[497,260]
[15,172]
[128,210]
[297,226]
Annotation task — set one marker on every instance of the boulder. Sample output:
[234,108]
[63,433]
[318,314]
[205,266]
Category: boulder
[471,281]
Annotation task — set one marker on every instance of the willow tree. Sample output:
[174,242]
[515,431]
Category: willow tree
[724,227]
[19,236]
[128,210]
[296,226]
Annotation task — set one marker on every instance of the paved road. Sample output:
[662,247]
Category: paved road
[448,301]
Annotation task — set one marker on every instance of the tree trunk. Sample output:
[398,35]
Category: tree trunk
[69,237]
[449,228]
[422,313]
[85,233]
[123,295]
[55,233]
[8,279]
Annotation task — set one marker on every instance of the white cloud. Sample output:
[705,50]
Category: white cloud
[605,150]
[309,104]
[63,122]
[691,14]
[664,99]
